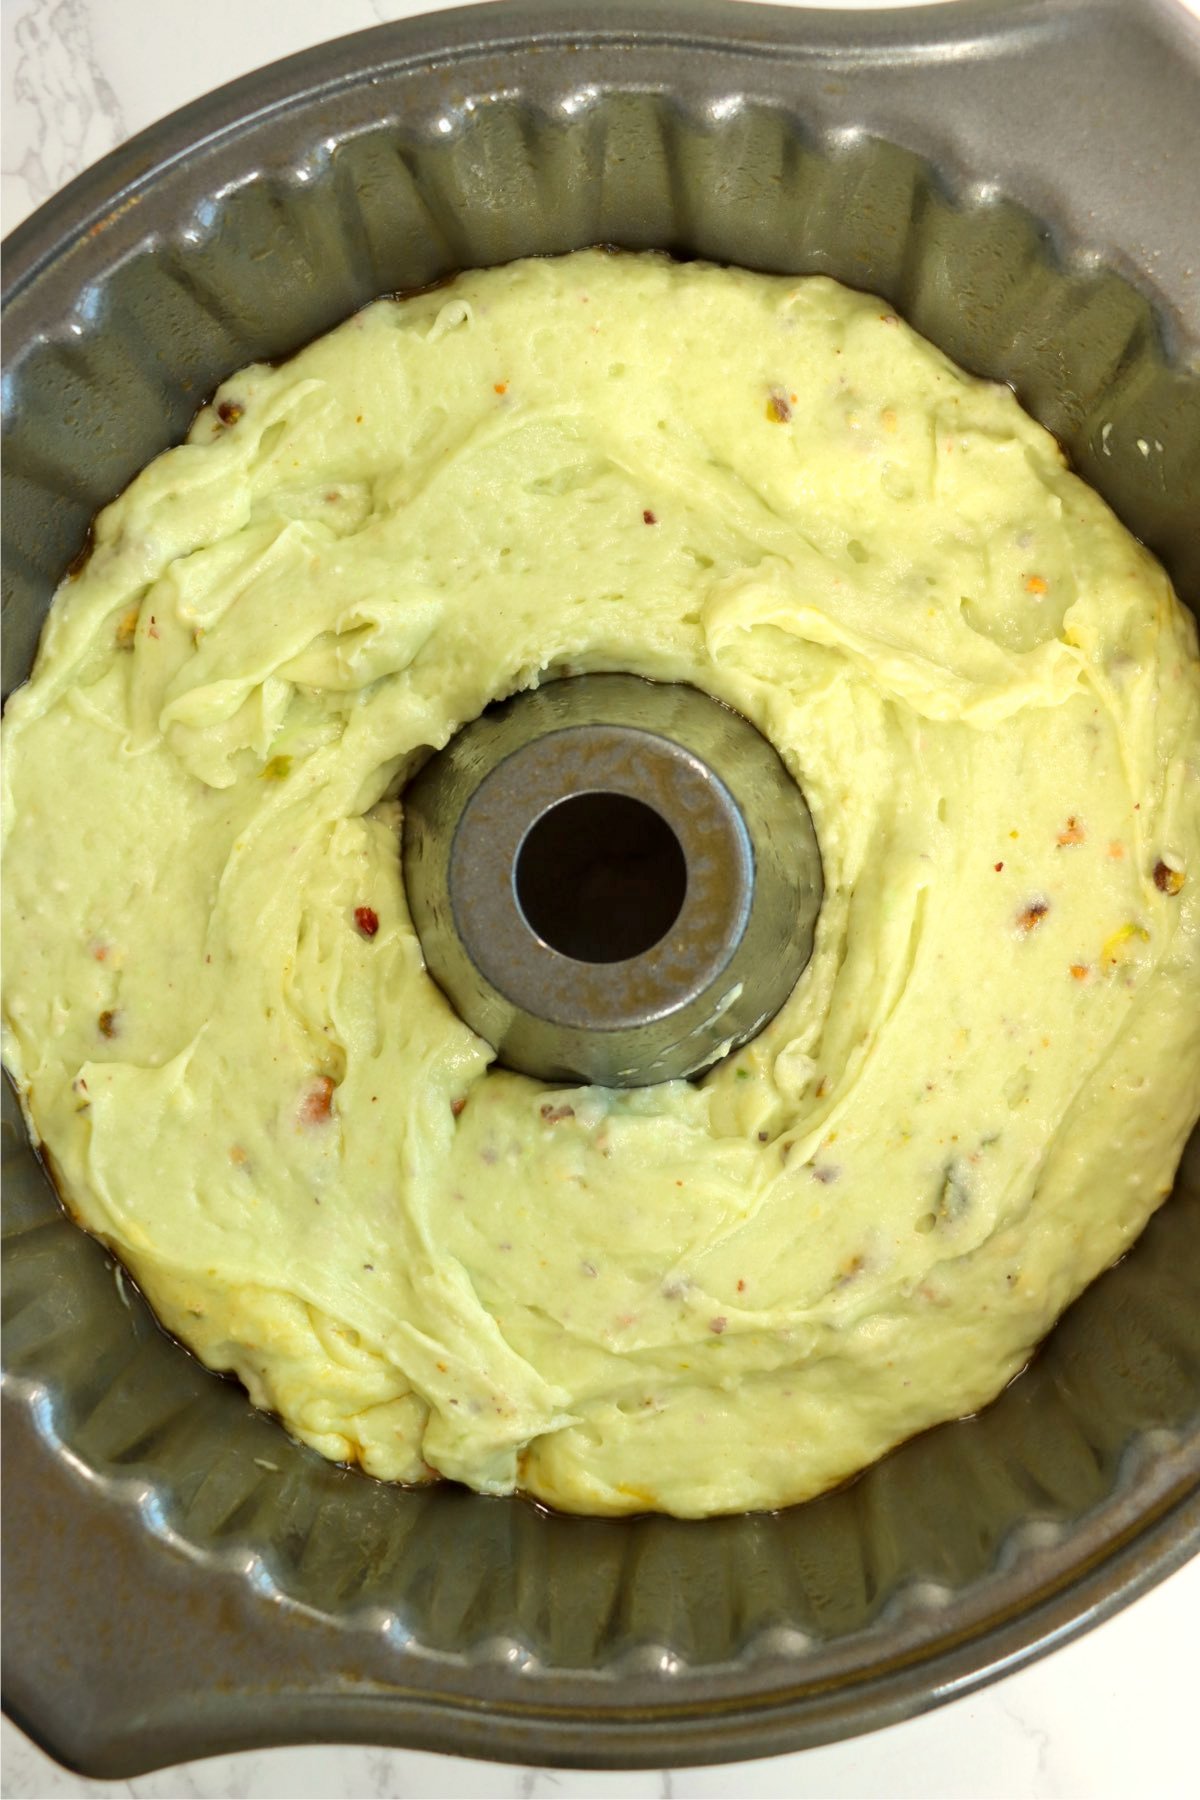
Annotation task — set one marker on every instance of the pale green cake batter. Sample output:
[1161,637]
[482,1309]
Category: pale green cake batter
[695,1297]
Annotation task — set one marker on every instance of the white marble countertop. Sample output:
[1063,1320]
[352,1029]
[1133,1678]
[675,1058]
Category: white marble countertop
[1111,1714]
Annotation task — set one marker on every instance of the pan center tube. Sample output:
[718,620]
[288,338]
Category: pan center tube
[613,880]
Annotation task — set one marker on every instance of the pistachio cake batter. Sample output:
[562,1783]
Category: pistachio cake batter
[700,1297]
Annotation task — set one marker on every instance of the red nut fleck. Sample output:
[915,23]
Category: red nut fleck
[1166,879]
[317,1104]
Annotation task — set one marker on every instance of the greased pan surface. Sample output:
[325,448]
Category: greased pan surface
[181,1579]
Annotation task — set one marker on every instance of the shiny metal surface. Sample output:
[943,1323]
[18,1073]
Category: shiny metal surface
[1015,176]
[659,951]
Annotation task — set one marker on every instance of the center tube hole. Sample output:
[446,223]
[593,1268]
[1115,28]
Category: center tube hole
[600,877]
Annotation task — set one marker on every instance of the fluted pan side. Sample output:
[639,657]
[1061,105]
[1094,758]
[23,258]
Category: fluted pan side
[1122,1366]
[257,271]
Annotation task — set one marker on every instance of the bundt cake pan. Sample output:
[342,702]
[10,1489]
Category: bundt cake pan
[1017,178]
